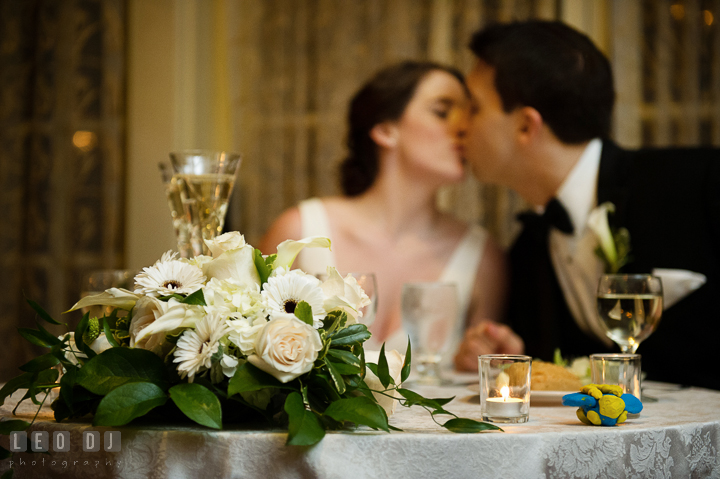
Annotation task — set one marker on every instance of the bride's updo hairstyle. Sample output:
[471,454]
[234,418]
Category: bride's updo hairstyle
[383,98]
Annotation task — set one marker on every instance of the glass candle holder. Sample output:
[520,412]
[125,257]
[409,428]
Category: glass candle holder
[617,369]
[505,387]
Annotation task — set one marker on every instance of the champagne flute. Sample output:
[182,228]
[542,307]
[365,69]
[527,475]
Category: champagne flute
[204,180]
[630,307]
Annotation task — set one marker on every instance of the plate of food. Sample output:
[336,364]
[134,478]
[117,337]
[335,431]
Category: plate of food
[549,382]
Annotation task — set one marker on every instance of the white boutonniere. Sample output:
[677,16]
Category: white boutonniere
[613,243]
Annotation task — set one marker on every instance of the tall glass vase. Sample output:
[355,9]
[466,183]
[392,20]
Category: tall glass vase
[201,184]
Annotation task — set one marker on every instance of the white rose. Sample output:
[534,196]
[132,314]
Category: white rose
[286,348]
[237,265]
[225,242]
[344,294]
[147,311]
[100,344]
[395,363]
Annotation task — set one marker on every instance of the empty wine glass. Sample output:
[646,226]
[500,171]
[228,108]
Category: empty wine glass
[630,307]
[204,181]
[428,312]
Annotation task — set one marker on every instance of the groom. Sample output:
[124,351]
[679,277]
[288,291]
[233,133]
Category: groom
[543,98]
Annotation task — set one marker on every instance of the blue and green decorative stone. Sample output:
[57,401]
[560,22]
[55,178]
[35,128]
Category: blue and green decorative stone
[602,404]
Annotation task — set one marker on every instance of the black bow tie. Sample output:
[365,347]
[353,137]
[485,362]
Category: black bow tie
[555,216]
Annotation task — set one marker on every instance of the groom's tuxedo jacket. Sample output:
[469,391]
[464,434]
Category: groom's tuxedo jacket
[669,200]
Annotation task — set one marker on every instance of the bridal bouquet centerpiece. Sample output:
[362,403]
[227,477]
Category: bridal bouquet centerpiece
[236,336]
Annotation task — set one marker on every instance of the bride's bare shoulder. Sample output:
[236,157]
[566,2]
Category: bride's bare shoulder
[287,226]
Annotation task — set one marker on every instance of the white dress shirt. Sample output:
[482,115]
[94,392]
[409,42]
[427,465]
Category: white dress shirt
[573,256]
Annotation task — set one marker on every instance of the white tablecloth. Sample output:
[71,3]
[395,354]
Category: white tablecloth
[678,436]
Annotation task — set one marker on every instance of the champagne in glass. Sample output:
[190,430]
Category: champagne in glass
[180,221]
[203,181]
[630,307]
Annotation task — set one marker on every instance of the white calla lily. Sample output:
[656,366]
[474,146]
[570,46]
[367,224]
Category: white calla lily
[598,223]
[288,250]
[113,297]
[178,315]
[236,264]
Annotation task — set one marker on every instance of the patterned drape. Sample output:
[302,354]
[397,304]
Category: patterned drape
[295,65]
[62,71]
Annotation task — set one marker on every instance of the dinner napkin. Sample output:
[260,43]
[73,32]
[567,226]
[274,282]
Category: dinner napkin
[678,283]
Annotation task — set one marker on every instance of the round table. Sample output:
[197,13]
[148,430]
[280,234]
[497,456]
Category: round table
[676,436]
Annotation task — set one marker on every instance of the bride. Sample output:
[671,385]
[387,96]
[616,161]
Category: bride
[406,132]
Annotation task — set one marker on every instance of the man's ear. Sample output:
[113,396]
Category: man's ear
[529,124]
[385,134]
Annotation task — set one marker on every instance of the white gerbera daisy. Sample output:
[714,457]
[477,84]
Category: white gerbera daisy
[196,347]
[169,276]
[286,289]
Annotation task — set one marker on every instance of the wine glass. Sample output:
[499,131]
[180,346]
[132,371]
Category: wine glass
[368,283]
[180,221]
[204,181]
[428,312]
[630,307]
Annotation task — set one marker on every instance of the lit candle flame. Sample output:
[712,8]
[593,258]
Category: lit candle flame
[505,391]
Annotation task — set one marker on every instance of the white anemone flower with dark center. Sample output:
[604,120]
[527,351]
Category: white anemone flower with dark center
[286,289]
[196,347]
[169,276]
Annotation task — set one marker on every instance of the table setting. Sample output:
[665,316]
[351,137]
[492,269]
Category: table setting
[219,361]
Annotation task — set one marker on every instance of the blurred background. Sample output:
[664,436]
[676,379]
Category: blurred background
[94,93]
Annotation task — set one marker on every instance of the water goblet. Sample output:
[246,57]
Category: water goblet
[204,181]
[428,312]
[629,307]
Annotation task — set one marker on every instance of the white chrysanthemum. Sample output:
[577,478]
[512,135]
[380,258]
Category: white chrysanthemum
[196,347]
[286,289]
[169,276]
[244,331]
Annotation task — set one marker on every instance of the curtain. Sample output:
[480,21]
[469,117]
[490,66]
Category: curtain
[295,65]
[62,71]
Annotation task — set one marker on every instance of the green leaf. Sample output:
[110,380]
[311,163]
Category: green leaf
[383,371]
[79,333]
[41,312]
[345,356]
[304,428]
[360,410]
[109,335]
[405,373]
[198,403]
[336,376]
[19,382]
[345,369]
[117,366]
[262,266]
[303,311]
[412,398]
[127,402]
[38,338]
[465,426]
[355,333]
[40,363]
[8,474]
[334,320]
[197,298]
[6,427]
[249,378]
